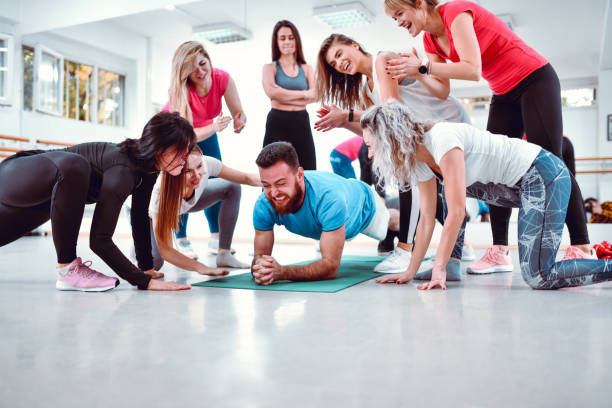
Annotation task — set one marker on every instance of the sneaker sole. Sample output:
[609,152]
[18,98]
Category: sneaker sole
[64,286]
[494,269]
[468,258]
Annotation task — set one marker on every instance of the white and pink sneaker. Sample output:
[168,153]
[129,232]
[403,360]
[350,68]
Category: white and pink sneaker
[575,253]
[79,276]
[493,261]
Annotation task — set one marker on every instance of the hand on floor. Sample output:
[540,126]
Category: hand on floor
[206,270]
[161,285]
[399,278]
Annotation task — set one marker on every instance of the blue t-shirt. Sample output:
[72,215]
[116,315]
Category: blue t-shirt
[330,201]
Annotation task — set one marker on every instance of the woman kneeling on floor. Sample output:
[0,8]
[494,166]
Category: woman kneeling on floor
[198,192]
[493,168]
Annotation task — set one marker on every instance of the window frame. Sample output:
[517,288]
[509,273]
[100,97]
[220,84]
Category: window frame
[39,49]
[6,98]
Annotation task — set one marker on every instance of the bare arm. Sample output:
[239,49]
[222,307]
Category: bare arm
[266,270]
[428,196]
[236,176]
[232,100]
[204,132]
[452,165]
[283,95]
[173,256]
[331,117]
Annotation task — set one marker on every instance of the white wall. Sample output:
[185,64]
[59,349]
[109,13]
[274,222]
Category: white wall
[100,44]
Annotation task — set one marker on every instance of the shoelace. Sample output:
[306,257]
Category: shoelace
[489,256]
[83,269]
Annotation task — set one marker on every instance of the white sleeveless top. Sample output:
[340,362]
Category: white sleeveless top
[424,105]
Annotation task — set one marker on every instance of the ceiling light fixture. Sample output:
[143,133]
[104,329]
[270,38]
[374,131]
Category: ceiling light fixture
[344,15]
[222,33]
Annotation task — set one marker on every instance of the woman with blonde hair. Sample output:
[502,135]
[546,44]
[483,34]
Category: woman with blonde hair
[196,90]
[507,172]
[353,79]
[526,94]
[289,83]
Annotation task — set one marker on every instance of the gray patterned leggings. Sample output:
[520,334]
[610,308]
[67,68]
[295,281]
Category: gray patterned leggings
[541,195]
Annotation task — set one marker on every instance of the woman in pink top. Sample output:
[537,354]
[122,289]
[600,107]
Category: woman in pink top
[196,90]
[526,93]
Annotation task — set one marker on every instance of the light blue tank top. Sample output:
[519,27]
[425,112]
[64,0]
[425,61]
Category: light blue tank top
[297,83]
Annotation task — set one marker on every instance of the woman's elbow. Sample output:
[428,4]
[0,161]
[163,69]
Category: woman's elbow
[475,73]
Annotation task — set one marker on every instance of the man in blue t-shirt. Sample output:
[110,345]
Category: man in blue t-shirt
[314,204]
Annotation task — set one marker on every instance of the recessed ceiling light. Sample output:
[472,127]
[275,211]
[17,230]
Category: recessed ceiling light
[222,33]
[344,15]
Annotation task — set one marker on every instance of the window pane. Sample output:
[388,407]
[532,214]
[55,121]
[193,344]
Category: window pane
[3,84]
[77,90]
[28,78]
[49,78]
[578,97]
[111,87]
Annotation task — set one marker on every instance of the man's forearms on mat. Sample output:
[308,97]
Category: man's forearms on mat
[320,270]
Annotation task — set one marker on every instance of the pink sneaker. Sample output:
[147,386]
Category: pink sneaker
[575,253]
[79,276]
[493,261]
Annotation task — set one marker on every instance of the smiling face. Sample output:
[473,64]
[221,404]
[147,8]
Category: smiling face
[412,19]
[283,187]
[171,161]
[344,58]
[286,41]
[194,170]
[202,70]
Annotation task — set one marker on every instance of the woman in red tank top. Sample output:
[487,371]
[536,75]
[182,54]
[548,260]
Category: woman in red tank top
[526,93]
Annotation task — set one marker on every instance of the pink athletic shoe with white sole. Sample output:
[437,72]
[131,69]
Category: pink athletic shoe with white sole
[493,261]
[575,253]
[79,276]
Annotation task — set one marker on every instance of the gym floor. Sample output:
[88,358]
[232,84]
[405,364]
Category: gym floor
[489,341]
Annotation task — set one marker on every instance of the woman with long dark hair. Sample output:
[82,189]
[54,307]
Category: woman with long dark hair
[39,185]
[290,84]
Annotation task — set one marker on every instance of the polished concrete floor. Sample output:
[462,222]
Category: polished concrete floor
[489,341]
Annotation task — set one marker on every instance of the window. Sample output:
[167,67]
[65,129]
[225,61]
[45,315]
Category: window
[71,89]
[6,52]
[78,90]
[581,97]
[111,88]
[28,78]
[50,80]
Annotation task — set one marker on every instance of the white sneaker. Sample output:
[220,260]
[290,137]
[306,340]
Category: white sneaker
[184,247]
[225,258]
[213,246]
[397,262]
[468,253]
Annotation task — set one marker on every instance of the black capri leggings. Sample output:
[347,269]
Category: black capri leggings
[292,127]
[34,188]
[534,107]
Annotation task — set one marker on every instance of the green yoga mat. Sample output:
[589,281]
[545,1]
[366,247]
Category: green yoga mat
[354,269]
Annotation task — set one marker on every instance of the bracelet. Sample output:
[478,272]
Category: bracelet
[350,118]
[429,68]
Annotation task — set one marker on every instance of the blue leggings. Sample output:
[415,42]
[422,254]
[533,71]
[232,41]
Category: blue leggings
[341,164]
[209,147]
[542,196]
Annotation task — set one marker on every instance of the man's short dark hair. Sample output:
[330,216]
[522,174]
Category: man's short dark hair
[275,152]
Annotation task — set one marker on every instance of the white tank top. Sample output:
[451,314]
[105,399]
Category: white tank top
[424,105]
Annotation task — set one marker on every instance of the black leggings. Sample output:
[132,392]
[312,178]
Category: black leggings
[292,127]
[42,186]
[534,107]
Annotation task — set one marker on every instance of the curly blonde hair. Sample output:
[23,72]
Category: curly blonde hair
[395,134]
